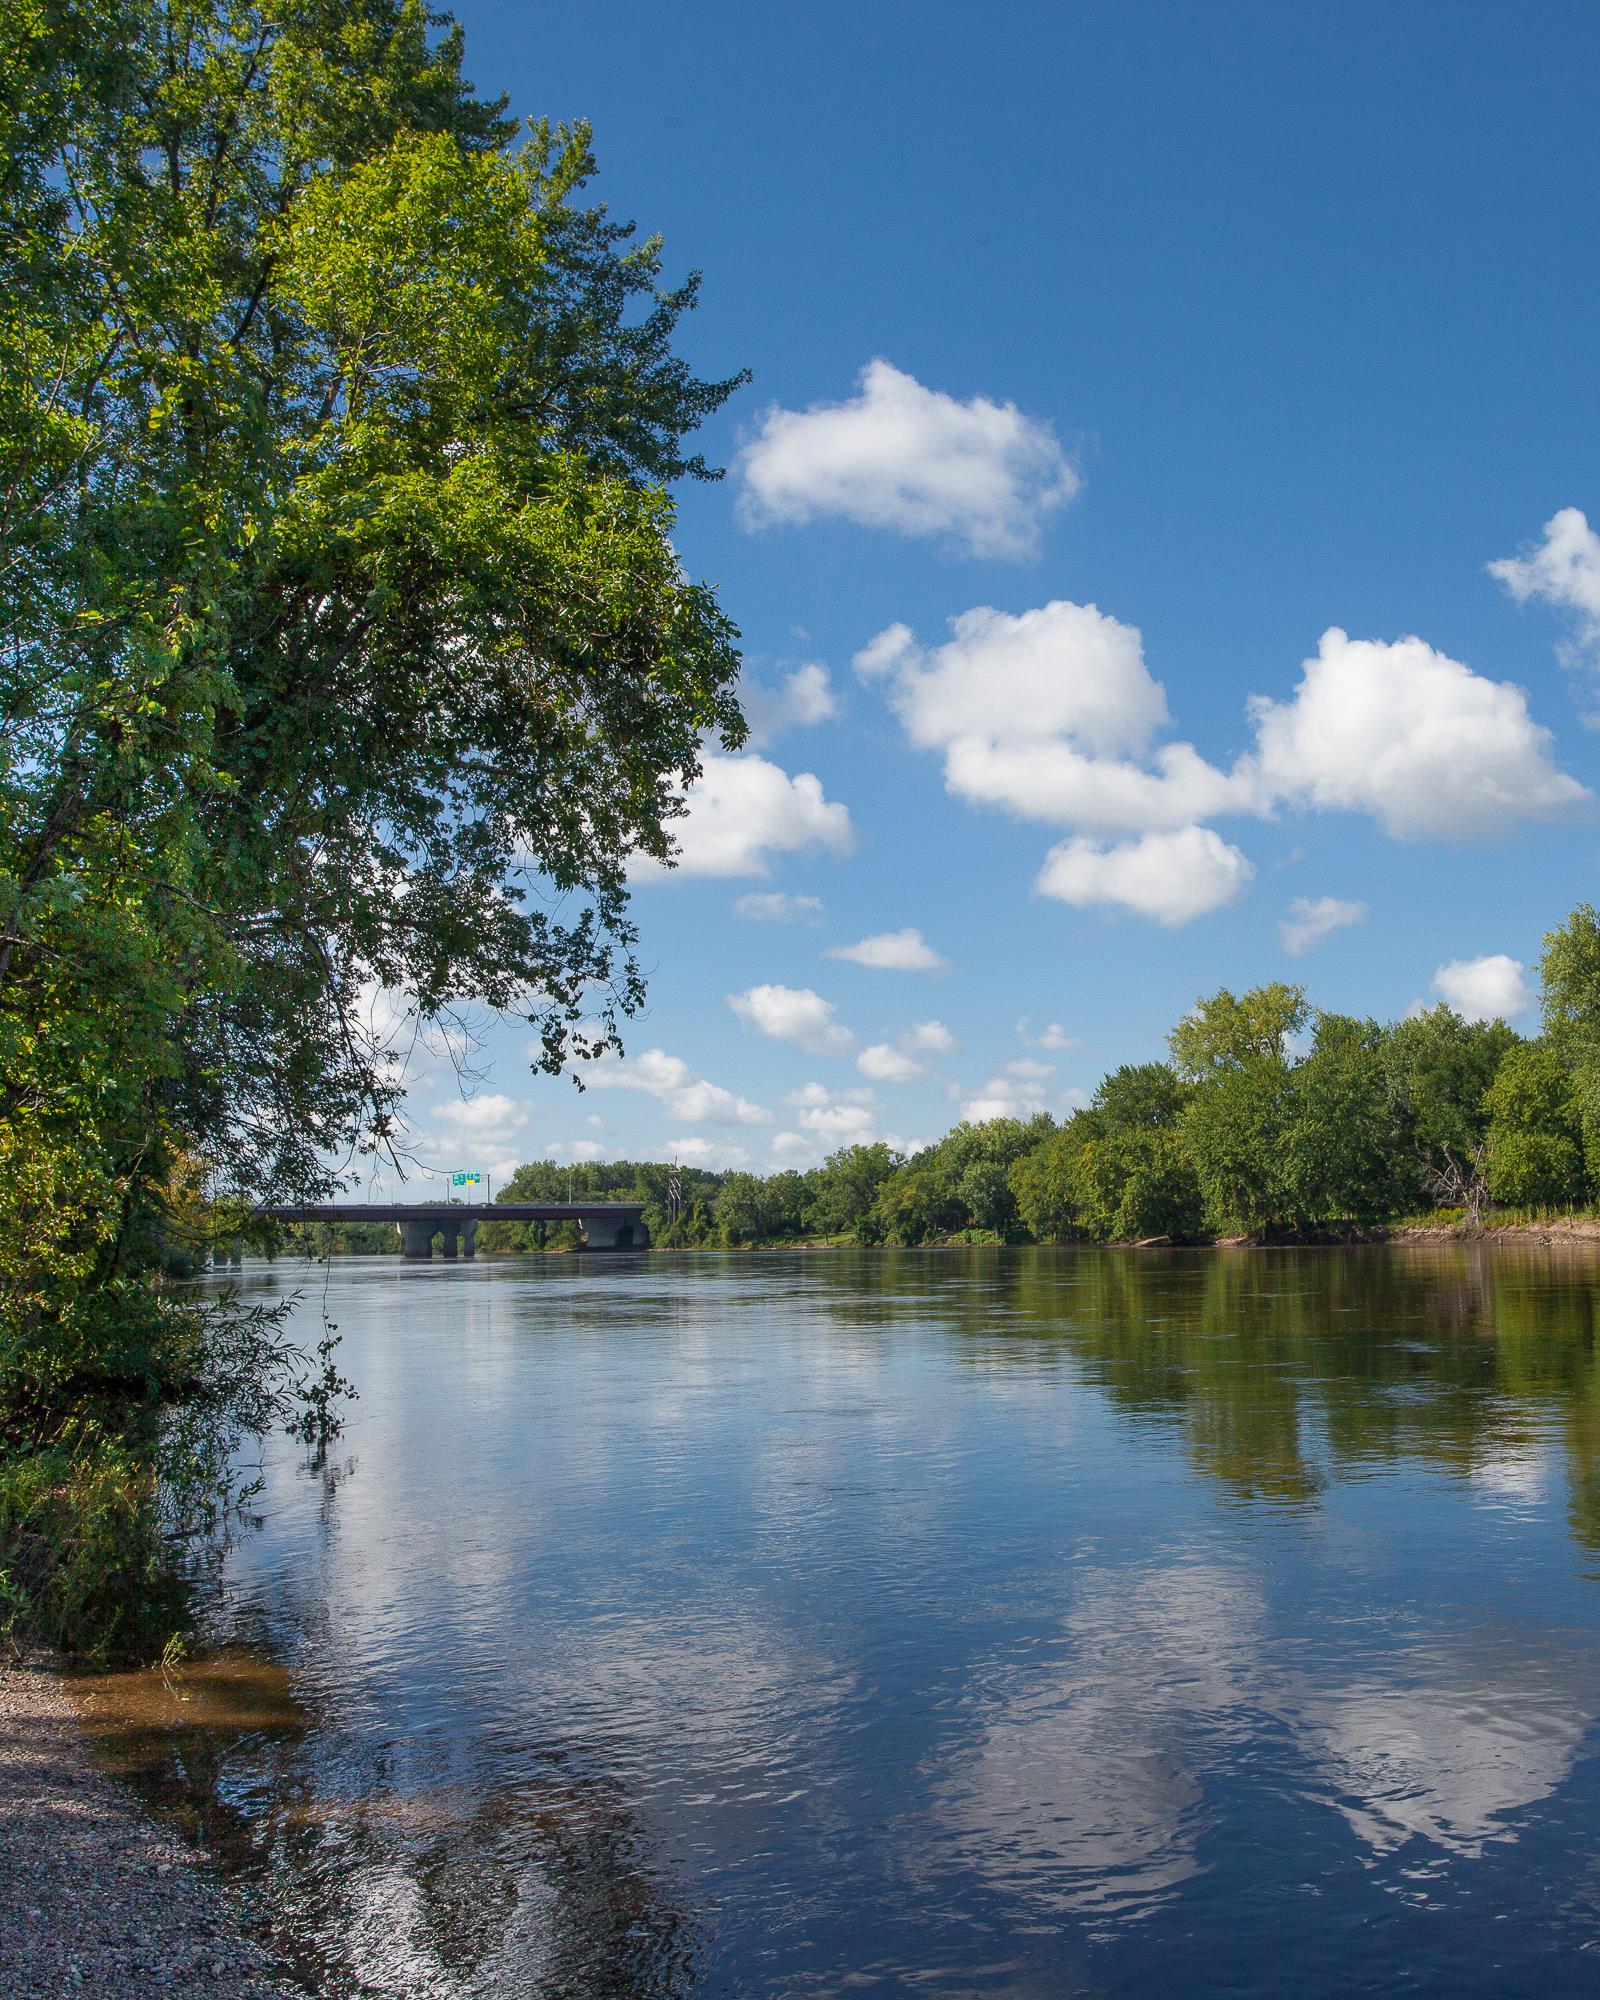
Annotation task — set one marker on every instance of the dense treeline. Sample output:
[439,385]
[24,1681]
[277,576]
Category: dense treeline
[1269,1118]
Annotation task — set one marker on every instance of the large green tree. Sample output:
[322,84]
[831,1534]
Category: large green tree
[346,651]
[349,648]
[1236,1130]
[1569,974]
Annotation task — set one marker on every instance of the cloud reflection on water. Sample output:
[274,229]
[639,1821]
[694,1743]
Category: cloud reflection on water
[732,1614]
[1080,1790]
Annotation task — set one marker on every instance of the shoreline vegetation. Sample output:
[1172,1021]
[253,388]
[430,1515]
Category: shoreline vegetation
[1270,1121]
[1559,1226]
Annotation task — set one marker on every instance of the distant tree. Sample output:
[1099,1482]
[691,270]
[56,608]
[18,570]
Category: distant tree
[1147,1095]
[787,1197]
[739,1217]
[1119,1170]
[982,1156]
[1569,973]
[753,1209]
[1569,976]
[1225,1032]
[985,1193]
[964,1181]
[1236,1129]
[1535,1146]
[920,1203]
[1437,1073]
[1045,1186]
[1097,1170]
[844,1192]
[1343,1159]
[1160,1189]
[344,1239]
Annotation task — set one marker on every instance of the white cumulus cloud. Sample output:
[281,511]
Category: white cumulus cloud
[777,908]
[1054,715]
[837,1117]
[1424,744]
[842,1124]
[1005,1097]
[743,810]
[719,1155]
[1061,670]
[793,1014]
[488,1120]
[1052,1036]
[794,1149]
[1171,877]
[979,475]
[1491,988]
[1054,781]
[677,1089]
[883,654]
[1311,919]
[892,951]
[478,1132]
[929,1038]
[806,696]
[886,1064]
[1049,714]
[1563,570]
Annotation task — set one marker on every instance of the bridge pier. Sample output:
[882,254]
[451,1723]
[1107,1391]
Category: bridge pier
[449,1232]
[606,1233]
[469,1239]
[417,1238]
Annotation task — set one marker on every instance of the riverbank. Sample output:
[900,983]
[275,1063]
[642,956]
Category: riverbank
[1544,1230]
[1558,1229]
[1554,1229]
[95,1897]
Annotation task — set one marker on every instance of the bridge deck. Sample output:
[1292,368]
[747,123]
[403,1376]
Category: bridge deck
[456,1211]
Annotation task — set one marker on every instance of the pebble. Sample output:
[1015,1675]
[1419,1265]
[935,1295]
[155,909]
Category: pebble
[95,1896]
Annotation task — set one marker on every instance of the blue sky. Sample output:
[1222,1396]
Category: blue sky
[1240,325]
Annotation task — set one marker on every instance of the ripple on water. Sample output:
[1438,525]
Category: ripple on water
[993,1623]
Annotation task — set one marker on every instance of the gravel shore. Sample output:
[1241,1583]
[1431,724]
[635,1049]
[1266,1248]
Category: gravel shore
[95,1897]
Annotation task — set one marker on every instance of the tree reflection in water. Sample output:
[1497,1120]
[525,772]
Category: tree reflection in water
[983,1621]
[1285,1368]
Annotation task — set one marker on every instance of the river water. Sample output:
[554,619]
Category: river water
[998,1622]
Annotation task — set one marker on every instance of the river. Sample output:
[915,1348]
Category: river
[1028,1622]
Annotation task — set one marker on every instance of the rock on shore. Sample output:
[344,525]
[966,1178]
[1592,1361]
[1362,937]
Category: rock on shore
[95,1897]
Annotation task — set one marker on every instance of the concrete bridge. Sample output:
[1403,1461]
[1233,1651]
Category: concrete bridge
[606,1225]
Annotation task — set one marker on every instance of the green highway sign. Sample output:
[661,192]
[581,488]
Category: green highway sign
[463,1180]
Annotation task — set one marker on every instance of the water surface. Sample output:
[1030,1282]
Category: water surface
[1015,1622]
